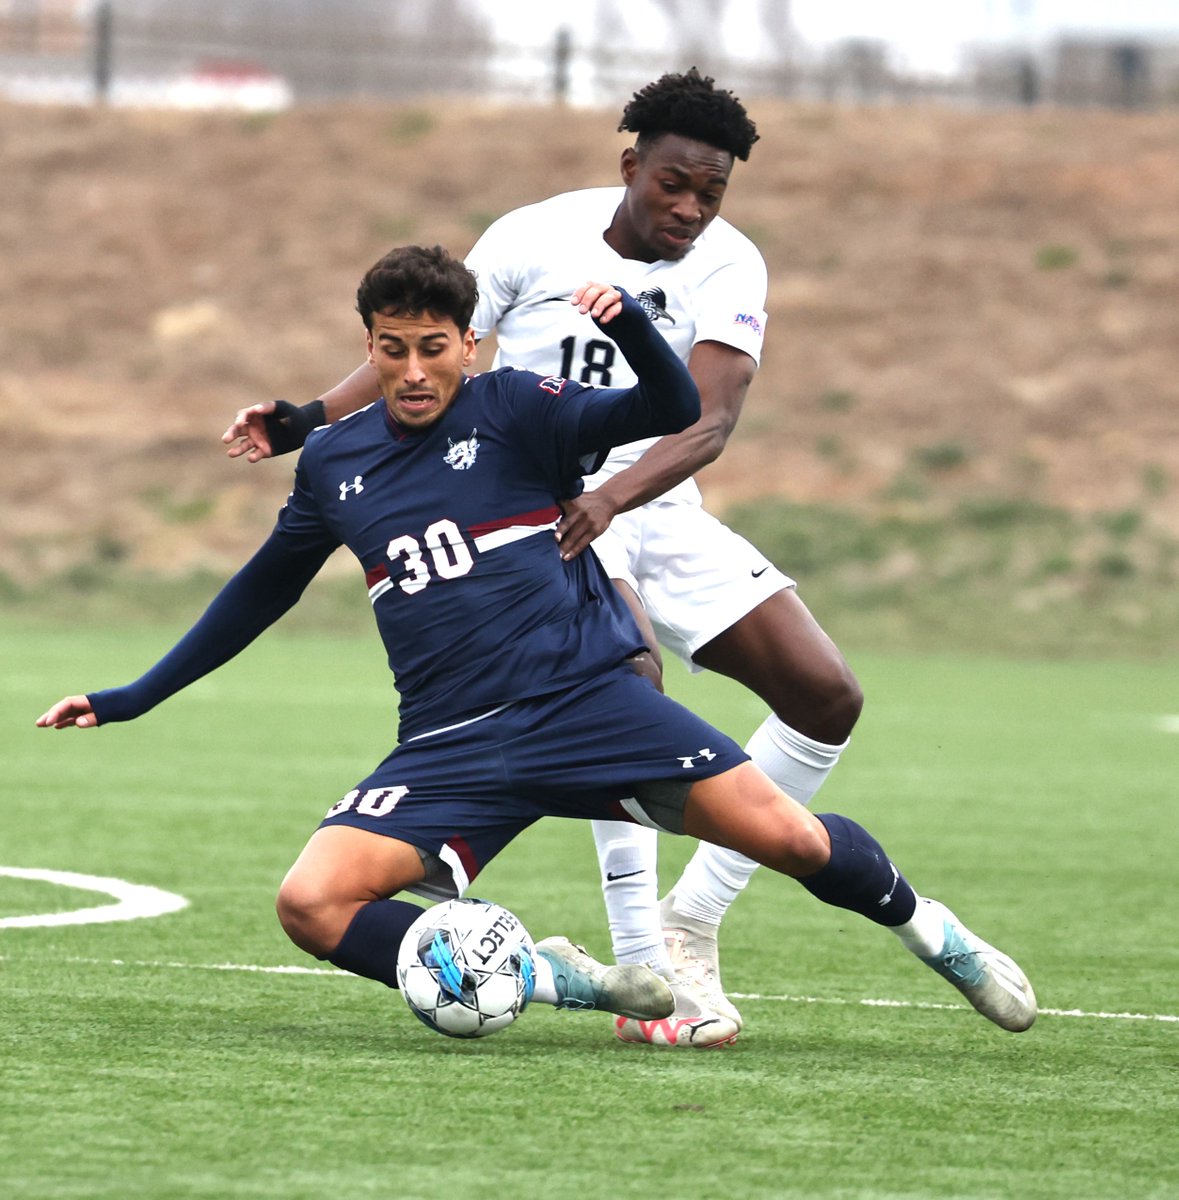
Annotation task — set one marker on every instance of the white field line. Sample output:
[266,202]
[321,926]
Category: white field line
[870,1003]
[132,901]
[757,997]
[136,901]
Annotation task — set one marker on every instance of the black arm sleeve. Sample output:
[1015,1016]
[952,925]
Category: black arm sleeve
[265,588]
[288,426]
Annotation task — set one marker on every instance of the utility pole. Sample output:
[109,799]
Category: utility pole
[103,37]
[562,53]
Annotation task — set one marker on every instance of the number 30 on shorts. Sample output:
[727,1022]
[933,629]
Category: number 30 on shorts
[374,802]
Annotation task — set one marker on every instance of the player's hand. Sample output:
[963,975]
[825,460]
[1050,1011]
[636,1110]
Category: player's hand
[582,519]
[247,434]
[73,710]
[600,300]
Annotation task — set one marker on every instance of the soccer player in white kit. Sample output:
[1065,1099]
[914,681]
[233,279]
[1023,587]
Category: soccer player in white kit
[708,594]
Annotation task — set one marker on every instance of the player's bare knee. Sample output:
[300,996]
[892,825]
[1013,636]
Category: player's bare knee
[798,849]
[308,917]
[826,710]
[846,702]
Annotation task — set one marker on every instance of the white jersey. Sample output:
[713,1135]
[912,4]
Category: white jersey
[531,260]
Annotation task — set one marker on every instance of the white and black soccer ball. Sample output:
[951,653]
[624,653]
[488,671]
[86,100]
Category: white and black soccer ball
[466,968]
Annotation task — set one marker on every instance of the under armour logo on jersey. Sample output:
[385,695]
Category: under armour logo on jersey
[461,455]
[654,302]
[689,761]
[355,486]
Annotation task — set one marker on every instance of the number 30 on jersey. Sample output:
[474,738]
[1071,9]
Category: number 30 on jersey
[449,556]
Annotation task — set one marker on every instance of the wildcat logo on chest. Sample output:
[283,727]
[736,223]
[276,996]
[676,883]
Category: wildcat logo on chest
[461,455]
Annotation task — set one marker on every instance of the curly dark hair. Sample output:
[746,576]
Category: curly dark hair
[691,106]
[418,279]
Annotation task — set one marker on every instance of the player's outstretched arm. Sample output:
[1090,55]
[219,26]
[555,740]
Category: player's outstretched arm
[665,398]
[602,301]
[247,432]
[277,427]
[257,596]
[72,711]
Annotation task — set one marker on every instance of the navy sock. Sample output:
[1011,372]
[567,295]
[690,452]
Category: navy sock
[860,876]
[370,943]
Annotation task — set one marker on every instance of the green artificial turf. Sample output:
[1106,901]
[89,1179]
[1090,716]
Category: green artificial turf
[153,1058]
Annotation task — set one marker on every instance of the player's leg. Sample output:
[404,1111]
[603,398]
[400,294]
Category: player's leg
[840,863]
[428,819]
[335,903]
[778,651]
[628,857]
[718,603]
[628,854]
[335,900]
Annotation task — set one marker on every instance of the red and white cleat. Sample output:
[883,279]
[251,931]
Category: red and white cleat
[693,1024]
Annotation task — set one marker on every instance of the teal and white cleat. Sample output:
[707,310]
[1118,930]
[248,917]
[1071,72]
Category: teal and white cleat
[990,980]
[627,990]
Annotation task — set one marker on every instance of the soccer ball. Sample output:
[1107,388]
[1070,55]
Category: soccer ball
[466,968]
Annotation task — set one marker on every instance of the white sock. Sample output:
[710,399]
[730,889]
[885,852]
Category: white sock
[628,856]
[796,763]
[924,933]
[715,877]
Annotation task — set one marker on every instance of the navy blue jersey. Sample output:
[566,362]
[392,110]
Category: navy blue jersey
[453,529]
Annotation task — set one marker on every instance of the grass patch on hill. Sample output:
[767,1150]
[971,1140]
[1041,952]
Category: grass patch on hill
[992,575]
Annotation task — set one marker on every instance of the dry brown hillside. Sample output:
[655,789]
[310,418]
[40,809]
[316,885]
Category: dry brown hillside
[994,294]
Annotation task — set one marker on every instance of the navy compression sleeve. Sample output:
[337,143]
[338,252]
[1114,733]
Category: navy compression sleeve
[265,588]
[665,399]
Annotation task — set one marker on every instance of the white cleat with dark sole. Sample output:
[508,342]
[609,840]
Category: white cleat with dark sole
[990,980]
[628,990]
[693,1024]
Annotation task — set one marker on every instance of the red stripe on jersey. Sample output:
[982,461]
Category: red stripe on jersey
[466,856]
[539,517]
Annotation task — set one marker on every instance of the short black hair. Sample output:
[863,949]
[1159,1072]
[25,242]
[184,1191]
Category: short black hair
[691,106]
[412,280]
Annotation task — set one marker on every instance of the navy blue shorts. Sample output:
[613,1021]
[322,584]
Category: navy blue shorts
[614,748]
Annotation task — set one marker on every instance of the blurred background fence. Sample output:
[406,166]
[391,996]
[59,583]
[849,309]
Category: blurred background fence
[966,423]
[271,53]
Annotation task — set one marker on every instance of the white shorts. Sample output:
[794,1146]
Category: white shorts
[695,577]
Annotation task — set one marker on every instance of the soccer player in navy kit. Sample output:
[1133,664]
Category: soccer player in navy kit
[517,699]
[695,586]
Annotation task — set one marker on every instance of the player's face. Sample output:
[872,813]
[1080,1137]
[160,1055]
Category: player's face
[419,361]
[673,191]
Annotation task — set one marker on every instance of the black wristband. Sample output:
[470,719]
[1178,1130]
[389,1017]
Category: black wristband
[288,426]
